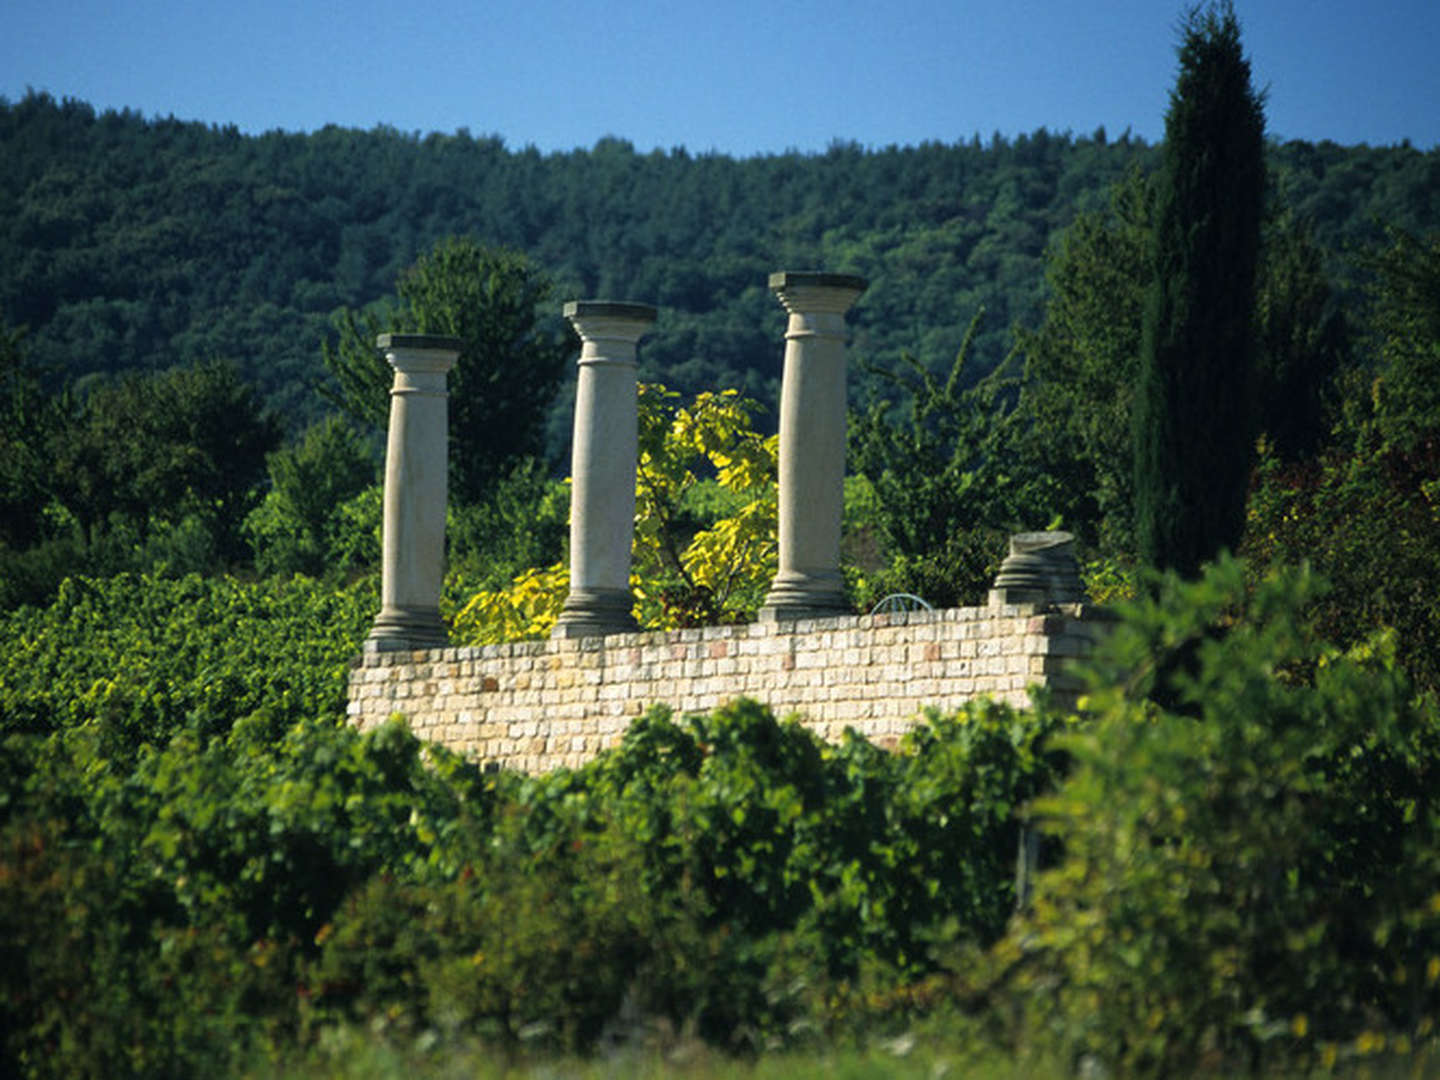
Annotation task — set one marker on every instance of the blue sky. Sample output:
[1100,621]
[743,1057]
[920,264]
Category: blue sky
[740,77]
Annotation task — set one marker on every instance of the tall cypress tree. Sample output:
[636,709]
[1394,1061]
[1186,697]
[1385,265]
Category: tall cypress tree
[1194,403]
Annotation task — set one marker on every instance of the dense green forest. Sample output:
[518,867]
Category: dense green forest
[128,243]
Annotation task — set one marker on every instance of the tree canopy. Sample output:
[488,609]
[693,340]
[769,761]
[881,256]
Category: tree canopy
[508,370]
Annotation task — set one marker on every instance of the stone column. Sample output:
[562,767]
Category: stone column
[812,445]
[413,544]
[602,468]
[1041,568]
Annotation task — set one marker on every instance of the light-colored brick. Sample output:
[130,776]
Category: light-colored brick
[535,705]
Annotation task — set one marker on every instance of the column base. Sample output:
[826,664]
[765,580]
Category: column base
[795,594]
[405,630]
[596,612]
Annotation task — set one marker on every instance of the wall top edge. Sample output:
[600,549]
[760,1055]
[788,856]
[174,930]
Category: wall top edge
[737,632]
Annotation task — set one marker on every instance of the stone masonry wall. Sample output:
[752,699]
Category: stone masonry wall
[537,705]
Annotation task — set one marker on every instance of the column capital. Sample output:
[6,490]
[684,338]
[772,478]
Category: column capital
[609,329]
[421,354]
[816,292]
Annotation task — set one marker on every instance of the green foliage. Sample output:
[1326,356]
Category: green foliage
[1244,830]
[1365,512]
[28,415]
[136,243]
[1081,366]
[716,876]
[1248,873]
[943,480]
[1304,342]
[134,657]
[1194,406]
[957,573]
[1367,518]
[151,449]
[271,834]
[522,521]
[148,472]
[301,527]
[509,366]
[155,918]
[1405,315]
[704,547]
[858,849]
[523,949]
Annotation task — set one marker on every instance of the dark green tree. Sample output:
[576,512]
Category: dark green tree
[27,416]
[150,449]
[507,373]
[1080,367]
[1194,403]
[1405,318]
[293,530]
[944,476]
[1304,341]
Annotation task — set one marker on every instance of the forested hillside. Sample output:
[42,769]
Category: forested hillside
[128,243]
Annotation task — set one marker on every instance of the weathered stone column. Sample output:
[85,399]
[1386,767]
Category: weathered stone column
[413,542]
[602,468]
[1041,568]
[812,445]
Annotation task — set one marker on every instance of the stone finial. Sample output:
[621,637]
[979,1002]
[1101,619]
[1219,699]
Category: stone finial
[1040,569]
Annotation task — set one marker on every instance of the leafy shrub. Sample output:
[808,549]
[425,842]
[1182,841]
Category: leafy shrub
[533,950]
[144,908]
[523,521]
[726,875]
[1248,873]
[858,850]
[704,526]
[299,528]
[956,574]
[1368,519]
[136,656]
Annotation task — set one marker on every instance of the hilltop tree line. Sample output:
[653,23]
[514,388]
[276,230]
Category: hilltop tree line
[136,244]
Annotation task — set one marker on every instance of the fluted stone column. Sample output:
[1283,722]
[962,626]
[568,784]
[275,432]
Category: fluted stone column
[413,544]
[812,445]
[602,468]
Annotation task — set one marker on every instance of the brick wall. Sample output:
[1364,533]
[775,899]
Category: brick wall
[537,705]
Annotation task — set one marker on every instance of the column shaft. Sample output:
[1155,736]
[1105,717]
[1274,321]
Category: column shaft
[602,468]
[413,538]
[812,445]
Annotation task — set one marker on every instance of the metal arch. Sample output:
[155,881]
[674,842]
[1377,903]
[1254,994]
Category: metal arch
[900,601]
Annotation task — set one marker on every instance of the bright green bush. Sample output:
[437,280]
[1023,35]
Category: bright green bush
[1249,871]
[143,908]
[726,875]
[137,657]
[860,851]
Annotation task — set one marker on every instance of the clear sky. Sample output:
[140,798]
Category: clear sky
[737,76]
